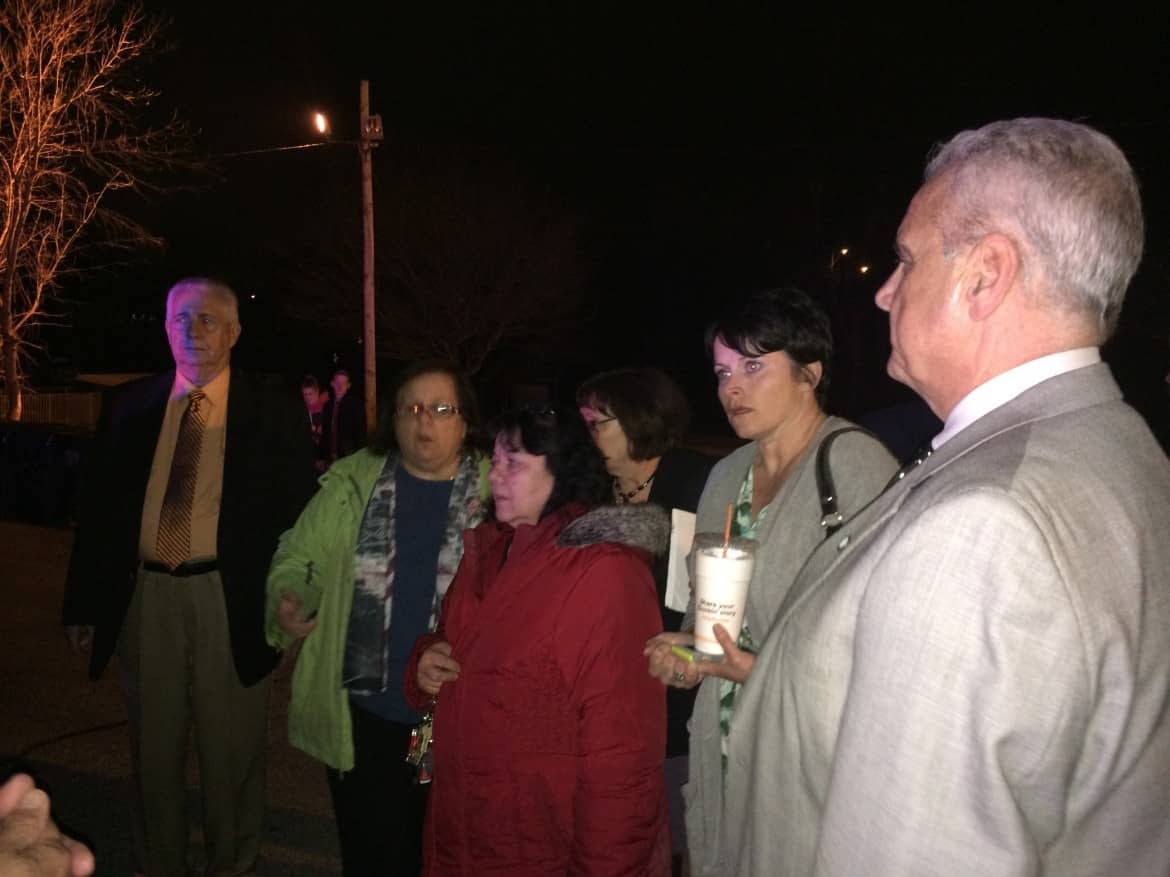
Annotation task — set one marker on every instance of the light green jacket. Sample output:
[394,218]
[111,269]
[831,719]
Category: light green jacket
[314,561]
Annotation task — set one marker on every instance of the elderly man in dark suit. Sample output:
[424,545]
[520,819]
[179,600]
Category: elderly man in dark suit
[194,475]
[972,676]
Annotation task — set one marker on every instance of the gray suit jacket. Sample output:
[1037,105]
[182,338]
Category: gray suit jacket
[861,466]
[973,676]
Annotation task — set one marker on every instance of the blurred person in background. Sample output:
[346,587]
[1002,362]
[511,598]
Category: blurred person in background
[344,419]
[315,401]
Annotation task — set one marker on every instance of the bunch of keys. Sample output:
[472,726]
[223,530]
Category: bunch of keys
[419,753]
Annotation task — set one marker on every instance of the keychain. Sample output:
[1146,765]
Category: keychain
[419,753]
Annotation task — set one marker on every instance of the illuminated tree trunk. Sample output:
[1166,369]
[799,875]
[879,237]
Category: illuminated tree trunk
[72,131]
[9,339]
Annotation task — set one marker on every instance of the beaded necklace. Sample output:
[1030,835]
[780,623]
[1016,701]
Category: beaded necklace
[626,496]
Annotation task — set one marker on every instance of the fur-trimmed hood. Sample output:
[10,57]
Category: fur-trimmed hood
[645,526]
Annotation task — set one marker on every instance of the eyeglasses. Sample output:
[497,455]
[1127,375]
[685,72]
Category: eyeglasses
[594,424]
[436,409]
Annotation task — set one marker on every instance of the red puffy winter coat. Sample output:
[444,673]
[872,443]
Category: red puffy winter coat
[548,748]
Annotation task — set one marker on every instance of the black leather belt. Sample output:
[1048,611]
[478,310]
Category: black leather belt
[188,568]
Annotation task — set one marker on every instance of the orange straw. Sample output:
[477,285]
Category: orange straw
[727,528]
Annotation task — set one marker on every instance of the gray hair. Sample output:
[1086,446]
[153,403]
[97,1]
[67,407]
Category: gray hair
[1065,191]
[215,287]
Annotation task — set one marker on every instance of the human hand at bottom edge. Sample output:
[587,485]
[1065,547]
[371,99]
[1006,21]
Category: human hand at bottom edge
[31,845]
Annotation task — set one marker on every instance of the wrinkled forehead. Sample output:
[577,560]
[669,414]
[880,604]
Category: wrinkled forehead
[926,209]
[200,298]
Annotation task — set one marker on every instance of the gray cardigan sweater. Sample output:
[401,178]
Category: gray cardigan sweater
[861,466]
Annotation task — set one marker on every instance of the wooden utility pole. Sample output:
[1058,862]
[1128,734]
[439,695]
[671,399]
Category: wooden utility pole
[371,134]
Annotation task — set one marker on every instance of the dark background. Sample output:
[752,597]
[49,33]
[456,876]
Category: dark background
[702,151]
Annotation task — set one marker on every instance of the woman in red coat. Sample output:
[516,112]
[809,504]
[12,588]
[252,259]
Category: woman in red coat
[548,731]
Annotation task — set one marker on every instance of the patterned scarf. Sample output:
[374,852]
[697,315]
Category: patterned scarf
[365,667]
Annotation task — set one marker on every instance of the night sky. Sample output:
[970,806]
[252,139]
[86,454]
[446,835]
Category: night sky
[700,150]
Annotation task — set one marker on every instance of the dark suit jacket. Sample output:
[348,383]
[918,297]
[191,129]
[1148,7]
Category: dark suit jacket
[267,479]
[351,425]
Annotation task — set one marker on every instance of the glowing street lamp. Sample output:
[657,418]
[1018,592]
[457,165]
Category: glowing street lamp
[370,134]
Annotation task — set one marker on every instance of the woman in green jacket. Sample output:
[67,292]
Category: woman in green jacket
[359,583]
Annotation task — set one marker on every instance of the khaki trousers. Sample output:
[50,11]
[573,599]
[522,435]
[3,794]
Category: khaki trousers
[177,661]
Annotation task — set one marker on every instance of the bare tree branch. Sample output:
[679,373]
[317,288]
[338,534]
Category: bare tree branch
[70,136]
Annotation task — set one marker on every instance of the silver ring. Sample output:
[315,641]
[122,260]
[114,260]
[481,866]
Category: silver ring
[680,677]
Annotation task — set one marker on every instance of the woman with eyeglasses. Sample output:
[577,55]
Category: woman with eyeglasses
[548,732]
[639,418]
[358,579]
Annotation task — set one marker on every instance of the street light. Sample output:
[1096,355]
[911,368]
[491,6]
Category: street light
[369,135]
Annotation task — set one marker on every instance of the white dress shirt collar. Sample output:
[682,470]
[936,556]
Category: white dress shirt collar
[215,390]
[1003,388]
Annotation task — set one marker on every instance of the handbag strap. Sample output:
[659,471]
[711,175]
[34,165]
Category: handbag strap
[831,516]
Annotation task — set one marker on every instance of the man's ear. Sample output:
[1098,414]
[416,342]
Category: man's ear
[813,371]
[993,267]
[236,330]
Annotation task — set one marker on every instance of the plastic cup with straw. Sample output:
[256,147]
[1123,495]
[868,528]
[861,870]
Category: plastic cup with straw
[722,574]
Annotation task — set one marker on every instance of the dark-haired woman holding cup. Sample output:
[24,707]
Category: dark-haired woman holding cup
[771,359]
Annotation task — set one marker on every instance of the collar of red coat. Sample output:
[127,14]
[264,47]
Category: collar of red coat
[491,543]
[644,529]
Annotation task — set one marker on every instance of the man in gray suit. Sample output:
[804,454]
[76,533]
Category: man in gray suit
[972,677]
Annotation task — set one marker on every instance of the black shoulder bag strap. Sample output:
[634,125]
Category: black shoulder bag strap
[831,516]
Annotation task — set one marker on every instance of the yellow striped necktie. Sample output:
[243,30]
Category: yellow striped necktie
[173,545]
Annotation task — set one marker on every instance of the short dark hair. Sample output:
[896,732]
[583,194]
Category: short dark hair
[651,408]
[385,439]
[783,319]
[309,382]
[341,371]
[562,438]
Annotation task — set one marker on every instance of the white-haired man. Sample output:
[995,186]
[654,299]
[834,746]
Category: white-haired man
[193,475]
[973,676]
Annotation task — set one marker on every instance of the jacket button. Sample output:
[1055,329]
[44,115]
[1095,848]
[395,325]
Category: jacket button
[844,541]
